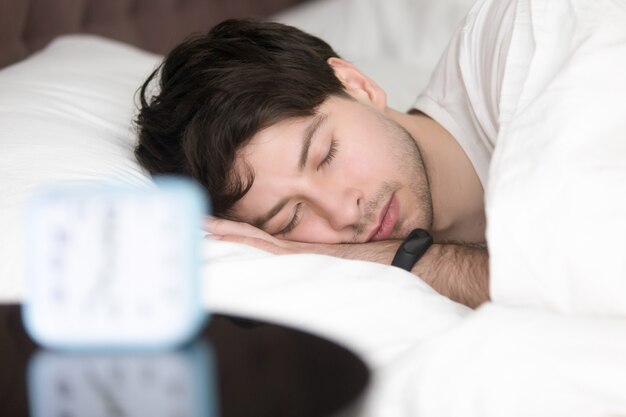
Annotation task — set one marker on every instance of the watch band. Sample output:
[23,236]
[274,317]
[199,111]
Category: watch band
[412,249]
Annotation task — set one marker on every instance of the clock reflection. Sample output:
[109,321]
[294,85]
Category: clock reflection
[158,384]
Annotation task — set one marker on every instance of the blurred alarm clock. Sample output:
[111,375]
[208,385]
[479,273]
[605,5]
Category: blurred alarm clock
[115,266]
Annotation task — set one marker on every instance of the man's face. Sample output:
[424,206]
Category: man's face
[348,174]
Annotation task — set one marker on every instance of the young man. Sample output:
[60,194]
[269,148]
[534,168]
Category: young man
[300,152]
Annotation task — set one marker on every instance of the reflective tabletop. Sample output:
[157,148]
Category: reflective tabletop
[236,367]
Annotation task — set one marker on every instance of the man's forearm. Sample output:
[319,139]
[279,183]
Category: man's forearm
[458,271]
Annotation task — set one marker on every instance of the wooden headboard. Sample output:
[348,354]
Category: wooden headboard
[155,25]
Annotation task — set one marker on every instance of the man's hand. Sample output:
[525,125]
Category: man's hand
[456,270]
[239,232]
[232,231]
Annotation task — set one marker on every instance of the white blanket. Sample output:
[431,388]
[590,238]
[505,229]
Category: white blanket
[556,199]
[557,219]
[504,361]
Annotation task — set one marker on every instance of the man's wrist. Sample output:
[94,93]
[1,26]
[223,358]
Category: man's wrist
[412,249]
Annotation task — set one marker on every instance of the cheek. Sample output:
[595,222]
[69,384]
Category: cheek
[371,162]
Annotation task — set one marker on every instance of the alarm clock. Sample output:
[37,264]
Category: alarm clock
[114,266]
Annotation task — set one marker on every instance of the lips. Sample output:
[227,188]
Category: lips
[386,221]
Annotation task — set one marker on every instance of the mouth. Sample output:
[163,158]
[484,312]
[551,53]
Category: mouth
[386,220]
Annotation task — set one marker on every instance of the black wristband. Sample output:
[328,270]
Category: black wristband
[412,249]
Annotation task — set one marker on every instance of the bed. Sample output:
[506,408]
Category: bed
[551,342]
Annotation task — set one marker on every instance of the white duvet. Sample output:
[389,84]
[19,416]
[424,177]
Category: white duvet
[553,341]
[556,198]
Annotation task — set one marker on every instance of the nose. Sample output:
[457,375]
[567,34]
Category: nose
[342,207]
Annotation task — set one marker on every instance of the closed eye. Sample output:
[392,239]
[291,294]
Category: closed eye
[332,152]
[294,221]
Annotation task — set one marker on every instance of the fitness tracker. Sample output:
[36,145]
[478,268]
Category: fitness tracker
[412,249]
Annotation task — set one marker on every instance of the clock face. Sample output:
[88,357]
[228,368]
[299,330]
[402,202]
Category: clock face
[114,265]
[171,384]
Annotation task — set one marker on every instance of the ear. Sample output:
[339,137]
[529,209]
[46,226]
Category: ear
[357,84]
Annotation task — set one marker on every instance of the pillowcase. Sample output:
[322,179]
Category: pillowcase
[65,115]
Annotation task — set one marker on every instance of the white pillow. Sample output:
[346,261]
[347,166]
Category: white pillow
[65,115]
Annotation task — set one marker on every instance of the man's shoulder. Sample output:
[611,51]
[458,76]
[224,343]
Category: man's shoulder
[463,94]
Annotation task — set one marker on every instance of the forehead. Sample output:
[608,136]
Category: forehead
[274,136]
[292,129]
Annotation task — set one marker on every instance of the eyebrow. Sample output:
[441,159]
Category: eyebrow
[307,138]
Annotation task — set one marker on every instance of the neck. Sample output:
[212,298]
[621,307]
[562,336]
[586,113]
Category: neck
[457,194]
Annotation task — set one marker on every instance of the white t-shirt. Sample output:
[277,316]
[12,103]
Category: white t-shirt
[463,94]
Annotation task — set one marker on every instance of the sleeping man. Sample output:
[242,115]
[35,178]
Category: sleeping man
[300,152]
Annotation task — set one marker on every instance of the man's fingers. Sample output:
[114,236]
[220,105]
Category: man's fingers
[229,227]
[257,243]
[228,230]
[207,222]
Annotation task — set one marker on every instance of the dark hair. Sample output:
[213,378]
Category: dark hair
[218,90]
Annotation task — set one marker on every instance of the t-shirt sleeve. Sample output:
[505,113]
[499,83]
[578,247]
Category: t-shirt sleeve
[463,94]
